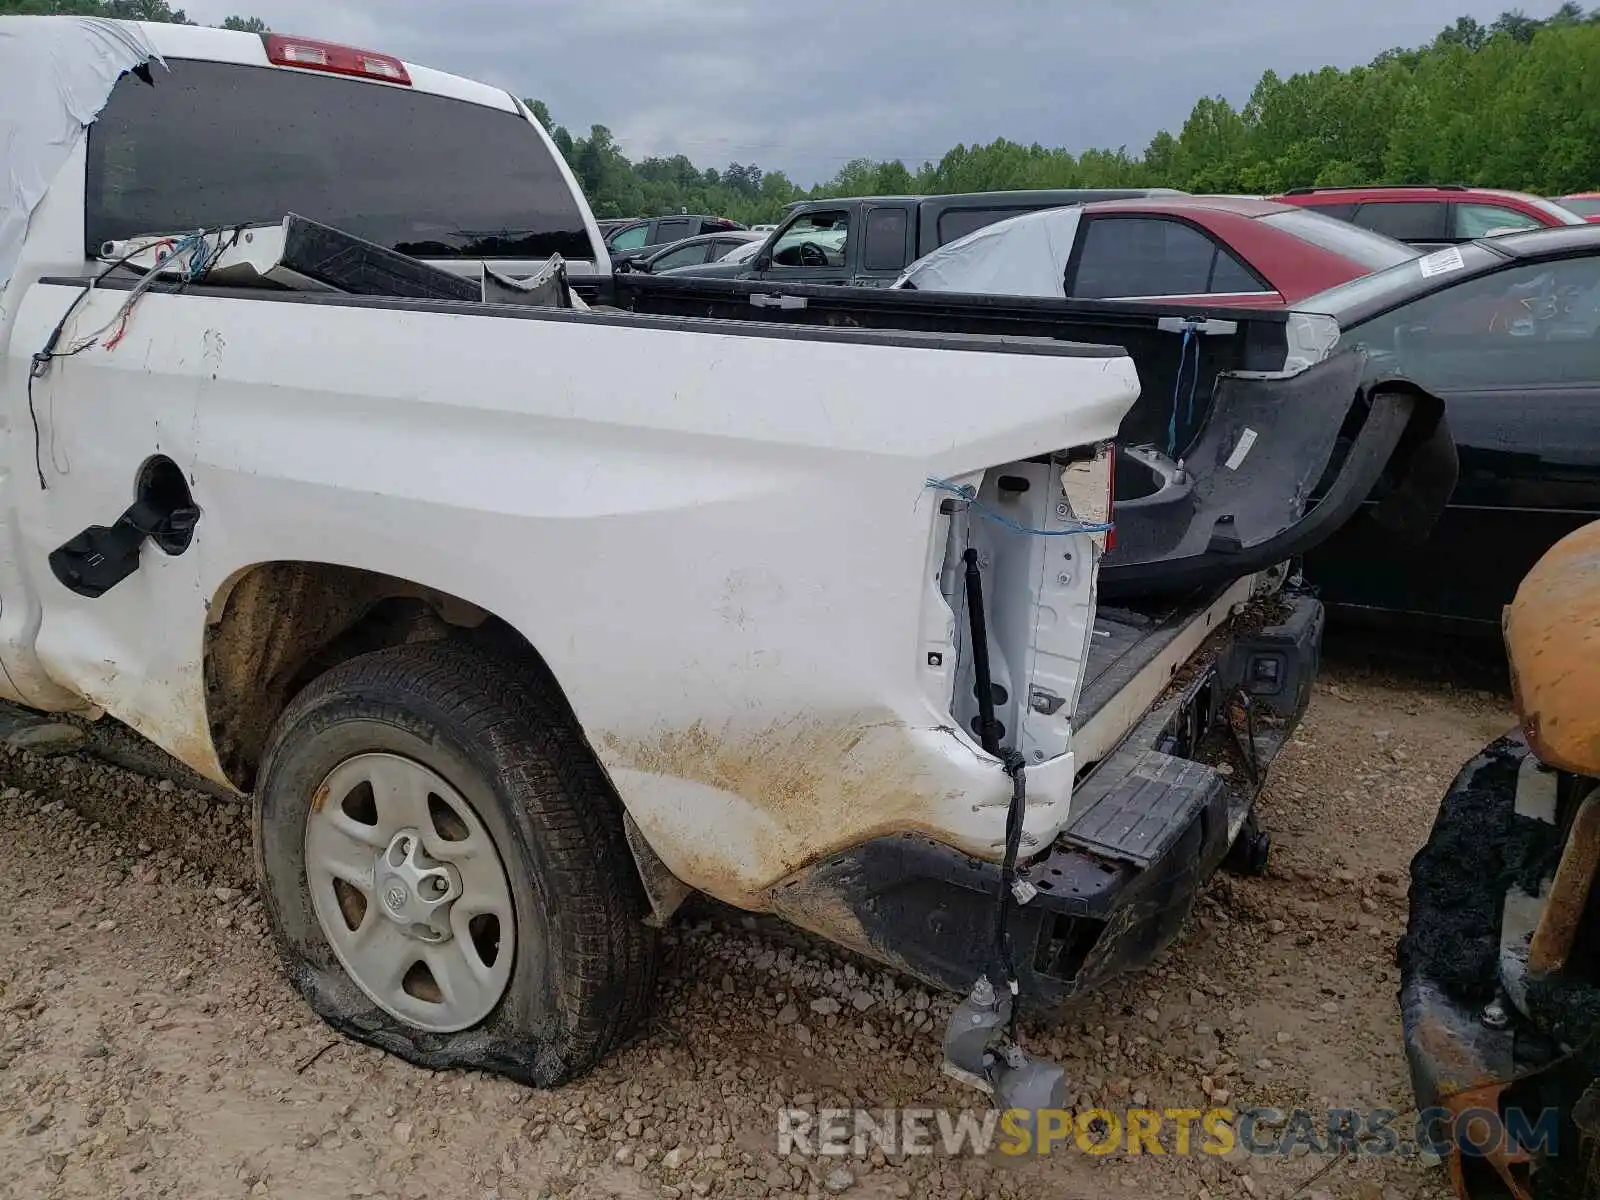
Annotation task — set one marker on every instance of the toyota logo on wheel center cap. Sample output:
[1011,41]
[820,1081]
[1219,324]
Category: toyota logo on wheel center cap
[396,897]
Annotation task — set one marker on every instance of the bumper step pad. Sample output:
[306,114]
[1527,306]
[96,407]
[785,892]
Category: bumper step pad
[1139,814]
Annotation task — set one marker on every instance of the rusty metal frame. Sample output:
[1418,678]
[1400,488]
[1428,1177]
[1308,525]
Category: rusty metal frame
[1569,893]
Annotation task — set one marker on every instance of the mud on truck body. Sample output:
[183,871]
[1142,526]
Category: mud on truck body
[520,619]
[1500,966]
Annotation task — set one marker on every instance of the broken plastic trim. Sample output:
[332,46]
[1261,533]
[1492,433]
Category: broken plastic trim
[1242,500]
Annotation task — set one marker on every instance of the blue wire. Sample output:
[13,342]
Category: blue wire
[1194,382]
[198,260]
[970,495]
[1177,386]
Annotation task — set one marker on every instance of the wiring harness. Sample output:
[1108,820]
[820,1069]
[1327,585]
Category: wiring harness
[189,257]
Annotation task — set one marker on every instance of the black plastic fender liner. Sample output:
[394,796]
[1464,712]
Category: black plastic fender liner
[1243,500]
[1424,466]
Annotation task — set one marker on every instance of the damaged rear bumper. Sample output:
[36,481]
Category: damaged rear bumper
[1280,465]
[1151,823]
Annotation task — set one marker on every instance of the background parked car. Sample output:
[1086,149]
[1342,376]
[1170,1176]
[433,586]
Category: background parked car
[704,248]
[1507,332]
[871,239]
[741,253]
[662,231]
[1585,204]
[1434,216]
[1231,250]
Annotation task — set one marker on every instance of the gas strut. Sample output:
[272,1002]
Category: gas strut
[981,1046]
[983,681]
[1015,766]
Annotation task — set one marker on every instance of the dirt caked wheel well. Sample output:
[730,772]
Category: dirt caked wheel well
[277,626]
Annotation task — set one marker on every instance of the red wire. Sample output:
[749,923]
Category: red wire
[122,325]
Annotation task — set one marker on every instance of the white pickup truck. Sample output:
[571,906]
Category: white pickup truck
[520,623]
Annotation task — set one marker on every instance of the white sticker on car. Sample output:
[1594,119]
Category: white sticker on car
[1441,262]
[1246,440]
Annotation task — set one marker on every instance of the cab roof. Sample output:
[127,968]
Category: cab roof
[250,49]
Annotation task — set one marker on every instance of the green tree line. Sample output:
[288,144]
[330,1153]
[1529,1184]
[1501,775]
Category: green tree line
[1514,104]
[121,10]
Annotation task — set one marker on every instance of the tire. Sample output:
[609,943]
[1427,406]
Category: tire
[582,965]
[1250,850]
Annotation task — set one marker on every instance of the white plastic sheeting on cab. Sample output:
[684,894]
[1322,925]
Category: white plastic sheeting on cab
[56,74]
[1020,256]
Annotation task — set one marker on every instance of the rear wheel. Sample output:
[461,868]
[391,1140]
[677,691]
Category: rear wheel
[446,870]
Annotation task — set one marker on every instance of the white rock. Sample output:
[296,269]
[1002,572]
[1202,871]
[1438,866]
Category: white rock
[839,1180]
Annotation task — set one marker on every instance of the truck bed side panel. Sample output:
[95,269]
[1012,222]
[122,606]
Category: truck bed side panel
[672,513]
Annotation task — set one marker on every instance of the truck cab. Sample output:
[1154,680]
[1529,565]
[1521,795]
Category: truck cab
[867,241]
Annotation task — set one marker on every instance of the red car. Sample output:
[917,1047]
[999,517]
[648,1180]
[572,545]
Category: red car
[1230,250]
[1434,216]
[1585,204]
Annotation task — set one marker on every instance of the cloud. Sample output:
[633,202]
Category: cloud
[804,87]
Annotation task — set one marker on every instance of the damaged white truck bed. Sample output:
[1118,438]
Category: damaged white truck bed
[520,622]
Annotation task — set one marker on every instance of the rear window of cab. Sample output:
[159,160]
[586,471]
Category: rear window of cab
[213,144]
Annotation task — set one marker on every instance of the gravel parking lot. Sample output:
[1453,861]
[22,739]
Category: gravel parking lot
[150,1047]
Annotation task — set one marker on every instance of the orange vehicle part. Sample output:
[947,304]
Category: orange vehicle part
[1552,632]
[1468,1086]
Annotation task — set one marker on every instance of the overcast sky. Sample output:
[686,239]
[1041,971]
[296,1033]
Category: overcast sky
[803,85]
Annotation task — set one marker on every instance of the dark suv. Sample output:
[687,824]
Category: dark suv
[1434,216]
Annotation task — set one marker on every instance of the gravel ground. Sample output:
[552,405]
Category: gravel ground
[150,1047]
